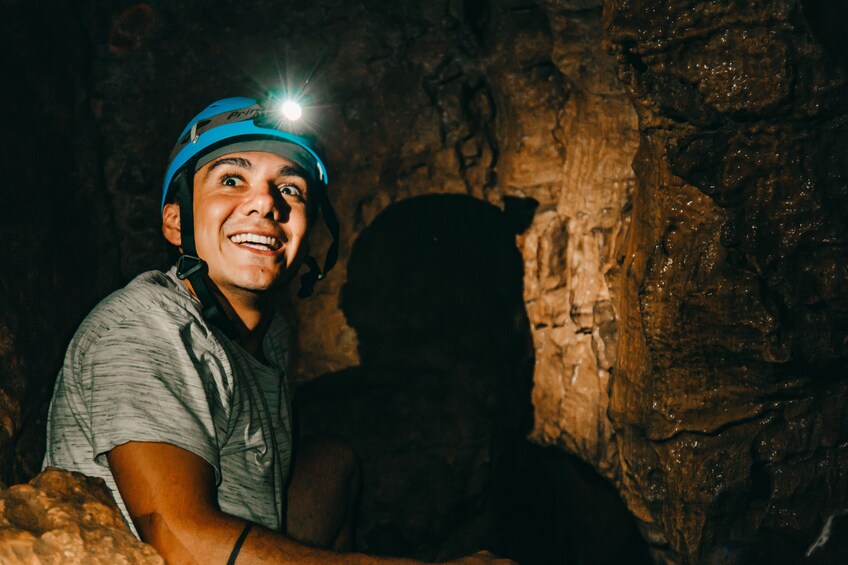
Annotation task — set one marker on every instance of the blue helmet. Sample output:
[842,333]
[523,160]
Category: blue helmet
[243,124]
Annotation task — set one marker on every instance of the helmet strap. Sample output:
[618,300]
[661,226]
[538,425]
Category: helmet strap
[315,274]
[308,280]
[189,265]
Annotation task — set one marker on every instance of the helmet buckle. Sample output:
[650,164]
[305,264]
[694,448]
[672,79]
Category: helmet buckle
[187,265]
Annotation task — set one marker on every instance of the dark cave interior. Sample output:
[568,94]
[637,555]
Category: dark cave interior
[590,306]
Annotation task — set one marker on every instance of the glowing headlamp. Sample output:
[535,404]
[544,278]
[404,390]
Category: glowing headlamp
[280,110]
[291,110]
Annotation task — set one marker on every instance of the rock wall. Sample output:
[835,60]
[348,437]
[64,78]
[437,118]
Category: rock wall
[576,152]
[64,517]
[729,396]
[56,236]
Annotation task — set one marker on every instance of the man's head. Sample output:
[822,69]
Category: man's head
[241,187]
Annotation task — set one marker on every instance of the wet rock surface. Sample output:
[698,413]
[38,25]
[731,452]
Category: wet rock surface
[729,397]
[63,517]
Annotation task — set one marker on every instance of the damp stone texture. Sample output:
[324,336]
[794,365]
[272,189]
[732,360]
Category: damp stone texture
[729,394]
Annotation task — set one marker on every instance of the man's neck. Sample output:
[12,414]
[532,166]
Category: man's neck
[251,324]
[251,314]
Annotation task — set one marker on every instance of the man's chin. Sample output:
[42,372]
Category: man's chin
[259,285]
[255,278]
[255,283]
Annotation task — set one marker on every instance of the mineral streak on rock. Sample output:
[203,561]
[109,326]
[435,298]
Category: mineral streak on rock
[569,146]
[64,517]
[729,396]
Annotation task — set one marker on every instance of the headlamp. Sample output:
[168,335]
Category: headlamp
[278,115]
[279,110]
[291,110]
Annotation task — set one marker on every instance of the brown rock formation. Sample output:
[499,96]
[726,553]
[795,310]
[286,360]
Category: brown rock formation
[63,517]
[730,396]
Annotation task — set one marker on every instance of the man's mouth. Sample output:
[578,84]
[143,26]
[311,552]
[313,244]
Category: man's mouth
[256,241]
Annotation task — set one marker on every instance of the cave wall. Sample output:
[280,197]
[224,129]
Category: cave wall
[729,396]
[513,103]
[57,233]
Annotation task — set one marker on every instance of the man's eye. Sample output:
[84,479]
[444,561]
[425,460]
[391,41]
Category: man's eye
[231,181]
[291,190]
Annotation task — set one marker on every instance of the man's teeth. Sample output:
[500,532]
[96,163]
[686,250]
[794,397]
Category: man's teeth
[255,239]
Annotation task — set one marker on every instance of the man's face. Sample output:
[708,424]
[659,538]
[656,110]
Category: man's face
[250,220]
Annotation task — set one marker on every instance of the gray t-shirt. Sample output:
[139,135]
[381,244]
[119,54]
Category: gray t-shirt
[145,366]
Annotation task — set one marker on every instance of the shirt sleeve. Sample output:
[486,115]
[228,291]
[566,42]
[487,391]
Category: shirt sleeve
[156,378]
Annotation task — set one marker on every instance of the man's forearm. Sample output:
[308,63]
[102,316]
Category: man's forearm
[214,542]
[265,546]
[210,537]
[170,495]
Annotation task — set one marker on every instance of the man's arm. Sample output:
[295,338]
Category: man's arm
[170,495]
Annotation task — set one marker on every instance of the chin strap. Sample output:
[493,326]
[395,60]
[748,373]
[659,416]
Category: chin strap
[315,274]
[308,280]
[192,267]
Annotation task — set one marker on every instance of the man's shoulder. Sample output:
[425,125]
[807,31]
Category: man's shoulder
[151,295]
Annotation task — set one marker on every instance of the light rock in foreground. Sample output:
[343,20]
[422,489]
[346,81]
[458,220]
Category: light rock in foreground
[65,517]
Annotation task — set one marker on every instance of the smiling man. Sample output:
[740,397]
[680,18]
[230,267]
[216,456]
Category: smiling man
[174,389]
[251,220]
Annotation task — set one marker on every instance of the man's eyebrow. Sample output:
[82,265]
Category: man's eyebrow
[293,171]
[237,161]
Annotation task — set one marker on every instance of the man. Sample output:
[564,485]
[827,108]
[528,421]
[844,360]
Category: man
[173,389]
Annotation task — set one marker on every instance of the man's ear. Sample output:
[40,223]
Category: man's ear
[171,224]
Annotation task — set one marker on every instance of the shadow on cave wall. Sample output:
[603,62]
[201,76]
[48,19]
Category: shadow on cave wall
[440,406]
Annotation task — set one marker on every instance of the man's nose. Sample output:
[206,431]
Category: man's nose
[266,201]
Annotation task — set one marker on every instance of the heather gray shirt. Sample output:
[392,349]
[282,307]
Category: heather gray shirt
[145,366]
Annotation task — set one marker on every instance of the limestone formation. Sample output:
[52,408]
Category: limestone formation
[61,517]
[729,397]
